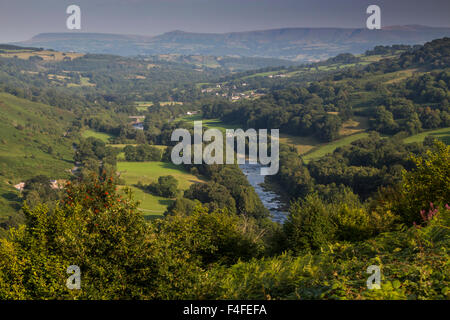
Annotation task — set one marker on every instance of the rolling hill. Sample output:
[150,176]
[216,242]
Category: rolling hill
[33,141]
[299,44]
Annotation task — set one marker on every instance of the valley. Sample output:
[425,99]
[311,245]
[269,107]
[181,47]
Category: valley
[86,173]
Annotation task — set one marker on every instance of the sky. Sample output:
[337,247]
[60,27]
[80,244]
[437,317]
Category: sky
[20,19]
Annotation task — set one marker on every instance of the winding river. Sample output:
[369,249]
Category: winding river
[268,198]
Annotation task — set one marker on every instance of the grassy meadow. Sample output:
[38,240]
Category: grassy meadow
[441,134]
[324,149]
[98,135]
[147,172]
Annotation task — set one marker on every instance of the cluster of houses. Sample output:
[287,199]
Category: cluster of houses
[227,91]
[248,95]
[54,184]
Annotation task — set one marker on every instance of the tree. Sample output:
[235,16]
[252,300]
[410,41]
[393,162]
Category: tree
[214,195]
[99,230]
[309,225]
[428,183]
[167,186]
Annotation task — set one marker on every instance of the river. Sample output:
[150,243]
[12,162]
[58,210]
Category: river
[268,198]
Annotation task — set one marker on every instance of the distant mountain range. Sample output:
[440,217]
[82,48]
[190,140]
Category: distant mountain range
[298,44]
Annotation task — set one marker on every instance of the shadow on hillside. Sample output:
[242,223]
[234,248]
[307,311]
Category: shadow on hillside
[14,198]
[443,136]
[165,202]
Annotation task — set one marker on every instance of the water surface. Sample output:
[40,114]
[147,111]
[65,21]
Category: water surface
[268,198]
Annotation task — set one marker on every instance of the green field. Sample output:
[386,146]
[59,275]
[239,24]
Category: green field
[301,144]
[147,172]
[144,105]
[209,123]
[323,150]
[98,135]
[150,205]
[263,74]
[441,134]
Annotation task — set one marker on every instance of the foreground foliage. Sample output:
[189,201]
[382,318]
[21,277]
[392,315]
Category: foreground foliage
[217,254]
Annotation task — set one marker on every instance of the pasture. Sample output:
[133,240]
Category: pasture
[46,55]
[324,149]
[441,134]
[98,135]
[147,172]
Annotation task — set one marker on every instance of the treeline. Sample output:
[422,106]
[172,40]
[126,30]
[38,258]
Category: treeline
[142,152]
[421,103]
[320,107]
[363,166]
[296,110]
[166,186]
[386,50]
[432,55]
[227,187]
[93,156]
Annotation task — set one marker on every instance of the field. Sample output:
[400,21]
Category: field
[263,74]
[98,135]
[301,144]
[209,123]
[47,55]
[324,149]
[144,105]
[310,147]
[355,125]
[442,134]
[147,172]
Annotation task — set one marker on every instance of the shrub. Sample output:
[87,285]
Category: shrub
[309,225]
[428,183]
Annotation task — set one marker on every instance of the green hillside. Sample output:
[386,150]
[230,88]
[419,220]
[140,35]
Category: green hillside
[32,142]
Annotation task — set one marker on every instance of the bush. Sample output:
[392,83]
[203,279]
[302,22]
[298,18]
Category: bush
[428,183]
[213,237]
[309,225]
[98,230]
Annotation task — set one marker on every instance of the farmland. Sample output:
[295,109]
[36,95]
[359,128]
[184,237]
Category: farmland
[147,172]
[98,135]
[324,149]
[46,55]
[441,134]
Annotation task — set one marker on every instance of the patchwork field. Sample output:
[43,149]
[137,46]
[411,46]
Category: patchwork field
[44,54]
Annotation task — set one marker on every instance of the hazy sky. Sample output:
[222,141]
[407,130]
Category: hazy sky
[20,19]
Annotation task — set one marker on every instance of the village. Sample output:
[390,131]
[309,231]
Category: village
[234,92]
